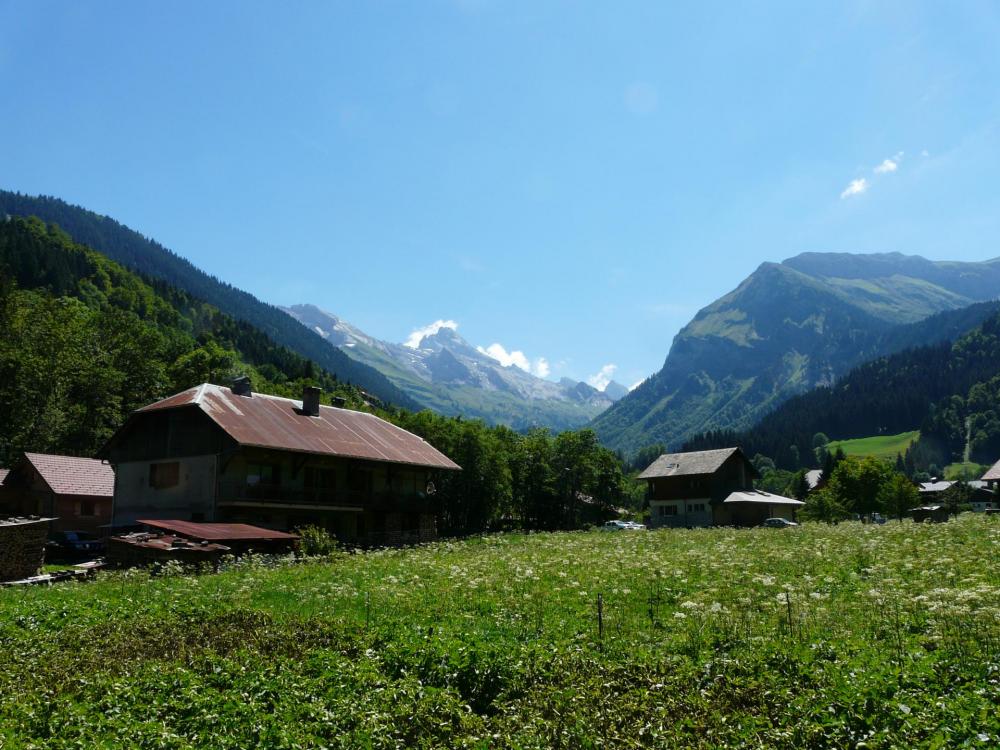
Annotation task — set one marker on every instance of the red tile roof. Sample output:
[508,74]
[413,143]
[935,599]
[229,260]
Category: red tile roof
[265,421]
[215,532]
[70,475]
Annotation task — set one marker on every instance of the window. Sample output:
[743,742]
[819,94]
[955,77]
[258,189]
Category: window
[696,507]
[87,508]
[262,474]
[320,478]
[162,476]
[668,510]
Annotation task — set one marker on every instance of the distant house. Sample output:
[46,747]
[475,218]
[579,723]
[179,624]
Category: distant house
[75,492]
[219,454]
[710,488]
[981,498]
[992,477]
[933,513]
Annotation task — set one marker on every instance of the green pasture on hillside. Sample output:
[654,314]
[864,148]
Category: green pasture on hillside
[967,471]
[880,446]
[821,636]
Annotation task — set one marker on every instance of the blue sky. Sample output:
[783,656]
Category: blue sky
[568,180]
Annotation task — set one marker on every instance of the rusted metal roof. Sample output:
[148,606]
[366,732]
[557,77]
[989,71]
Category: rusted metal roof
[70,475]
[687,464]
[217,532]
[265,421]
[167,543]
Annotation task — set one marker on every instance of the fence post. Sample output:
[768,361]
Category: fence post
[600,618]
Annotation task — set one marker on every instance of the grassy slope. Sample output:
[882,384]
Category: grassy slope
[891,635]
[880,446]
[965,471]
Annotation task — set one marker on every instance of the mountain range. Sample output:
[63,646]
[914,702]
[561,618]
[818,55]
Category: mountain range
[445,372]
[789,327]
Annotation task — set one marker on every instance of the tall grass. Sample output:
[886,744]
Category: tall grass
[819,636]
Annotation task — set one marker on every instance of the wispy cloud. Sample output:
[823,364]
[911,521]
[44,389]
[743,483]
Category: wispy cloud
[419,334]
[890,165]
[540,367]
[857,187]
[636,384]
[602,377]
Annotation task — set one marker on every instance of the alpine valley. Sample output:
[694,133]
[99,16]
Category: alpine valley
[793,326]
[446,373]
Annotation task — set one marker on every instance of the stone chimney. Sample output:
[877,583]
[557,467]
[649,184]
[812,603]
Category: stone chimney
[241,386]
[310,401]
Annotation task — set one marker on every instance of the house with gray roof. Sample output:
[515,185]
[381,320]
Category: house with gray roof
[710,488]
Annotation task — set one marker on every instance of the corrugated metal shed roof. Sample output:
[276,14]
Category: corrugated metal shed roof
[759,496]
[686,464]
[71,475]
[265,421]
[993,473]
[214,532]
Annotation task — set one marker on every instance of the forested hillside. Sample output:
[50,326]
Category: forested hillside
[86,341]
[950,392]
[787,328]
[152,260]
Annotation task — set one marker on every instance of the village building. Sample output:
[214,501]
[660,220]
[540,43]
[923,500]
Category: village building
[992,477]
[220,454]
[982,497]
[710,488]
[75,492]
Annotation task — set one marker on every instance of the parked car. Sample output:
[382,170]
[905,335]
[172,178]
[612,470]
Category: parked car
[73,544]
[778,523]
[622,526]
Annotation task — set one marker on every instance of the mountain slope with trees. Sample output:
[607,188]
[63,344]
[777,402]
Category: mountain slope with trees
[949,391]
[787,328]
[149,258]
[86,341]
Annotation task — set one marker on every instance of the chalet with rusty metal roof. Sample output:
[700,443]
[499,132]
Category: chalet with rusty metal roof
[229,455]
[76,492]
[710,488]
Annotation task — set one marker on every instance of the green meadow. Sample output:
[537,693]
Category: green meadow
[880,446]
[821,636]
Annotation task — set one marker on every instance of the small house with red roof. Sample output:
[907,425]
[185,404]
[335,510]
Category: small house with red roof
[76,492]
[229,455]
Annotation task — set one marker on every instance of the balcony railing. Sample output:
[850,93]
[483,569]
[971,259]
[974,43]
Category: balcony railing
[237,491]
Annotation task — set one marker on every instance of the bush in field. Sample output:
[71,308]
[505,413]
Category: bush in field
[315,541]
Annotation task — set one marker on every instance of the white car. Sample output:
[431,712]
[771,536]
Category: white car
[622,526]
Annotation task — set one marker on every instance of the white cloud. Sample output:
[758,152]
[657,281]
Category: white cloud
[540,367]
[636,384]
[419,334]
[602,377]
[857,187]
[888,166]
